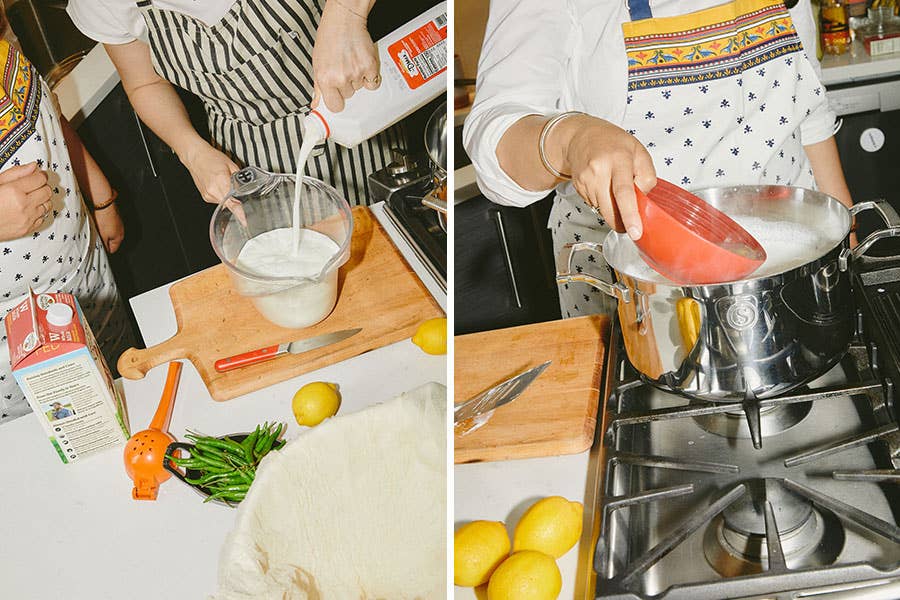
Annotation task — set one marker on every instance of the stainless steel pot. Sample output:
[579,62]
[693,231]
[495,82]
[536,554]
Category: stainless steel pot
[436,146]
[741,340]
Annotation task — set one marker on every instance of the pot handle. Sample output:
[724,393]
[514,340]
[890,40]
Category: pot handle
[890,218]
[565,274]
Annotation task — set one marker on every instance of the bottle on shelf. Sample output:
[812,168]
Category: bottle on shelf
[835,27]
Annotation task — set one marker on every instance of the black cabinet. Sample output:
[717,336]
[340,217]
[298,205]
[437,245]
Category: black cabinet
[504,271]
[166,220]
[870,168]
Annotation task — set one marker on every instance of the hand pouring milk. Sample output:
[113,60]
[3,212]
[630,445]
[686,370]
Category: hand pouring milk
[413,72]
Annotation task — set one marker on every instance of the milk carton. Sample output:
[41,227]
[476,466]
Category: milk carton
[413,72]
[57,363]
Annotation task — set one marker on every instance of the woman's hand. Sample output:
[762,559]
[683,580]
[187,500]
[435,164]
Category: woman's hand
[344,57]
[110,227]
[605,162]
[210,169]
[24,201]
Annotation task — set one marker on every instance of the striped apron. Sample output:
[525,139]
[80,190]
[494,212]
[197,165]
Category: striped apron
[253,72]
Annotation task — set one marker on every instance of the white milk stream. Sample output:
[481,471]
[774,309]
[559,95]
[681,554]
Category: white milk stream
[306,148]
[298,253]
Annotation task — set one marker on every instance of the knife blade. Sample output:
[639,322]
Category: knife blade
[296,347]
[497,396]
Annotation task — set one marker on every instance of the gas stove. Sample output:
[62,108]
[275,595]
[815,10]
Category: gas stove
[687,508]
[402,186]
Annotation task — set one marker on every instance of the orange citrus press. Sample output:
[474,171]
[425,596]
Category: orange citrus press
[146,450]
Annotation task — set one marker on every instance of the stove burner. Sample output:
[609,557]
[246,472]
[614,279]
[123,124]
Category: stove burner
[423,230]
[735,542]
[773,419]
[806,512]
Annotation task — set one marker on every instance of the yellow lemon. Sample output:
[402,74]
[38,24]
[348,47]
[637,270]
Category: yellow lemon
[478,547]
[431,336]
[315,402]
[551,525]
[526,575]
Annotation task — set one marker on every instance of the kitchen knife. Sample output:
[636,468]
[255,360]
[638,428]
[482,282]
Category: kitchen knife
[257,356]
[497,396]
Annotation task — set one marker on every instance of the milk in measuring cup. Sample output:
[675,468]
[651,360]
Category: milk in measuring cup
[293,252]
[275,254]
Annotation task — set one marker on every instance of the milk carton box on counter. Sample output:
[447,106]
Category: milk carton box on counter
[57,363]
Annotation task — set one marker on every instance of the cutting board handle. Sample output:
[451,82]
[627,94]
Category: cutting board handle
[134,363]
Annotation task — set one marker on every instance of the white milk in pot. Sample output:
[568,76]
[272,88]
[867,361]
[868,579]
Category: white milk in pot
[788,245]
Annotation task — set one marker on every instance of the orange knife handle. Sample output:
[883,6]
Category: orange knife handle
[248,358]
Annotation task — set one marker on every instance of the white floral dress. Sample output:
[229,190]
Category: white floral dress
[718,97]
[65,254]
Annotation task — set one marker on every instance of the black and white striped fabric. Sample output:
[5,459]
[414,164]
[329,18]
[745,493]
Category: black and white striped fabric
[253,71]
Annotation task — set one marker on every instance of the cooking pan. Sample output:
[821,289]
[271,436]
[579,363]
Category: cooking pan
[436,146]
[760,337]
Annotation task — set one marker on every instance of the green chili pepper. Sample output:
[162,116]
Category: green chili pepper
[263,445]
[278,431]
[212,464]
[220,448]
[187,463]
[248,444]
[228,467]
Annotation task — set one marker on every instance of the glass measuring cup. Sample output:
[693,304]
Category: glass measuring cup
[261,202]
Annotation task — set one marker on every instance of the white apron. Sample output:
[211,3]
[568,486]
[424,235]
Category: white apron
[717,97]
[65,254]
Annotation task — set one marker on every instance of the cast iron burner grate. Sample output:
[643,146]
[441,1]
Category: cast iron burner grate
[670,490]
[420,227]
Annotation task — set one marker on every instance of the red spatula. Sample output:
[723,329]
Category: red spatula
[690,241]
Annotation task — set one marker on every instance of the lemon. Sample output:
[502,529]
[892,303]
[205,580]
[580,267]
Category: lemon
[315,402]
[431,336]
[478,547]
[526,575]
[551,525]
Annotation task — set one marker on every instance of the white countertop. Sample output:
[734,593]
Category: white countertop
[503,490]
[856,65]
[82,90]
[73,531]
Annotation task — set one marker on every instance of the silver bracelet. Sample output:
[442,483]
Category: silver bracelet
[545,131]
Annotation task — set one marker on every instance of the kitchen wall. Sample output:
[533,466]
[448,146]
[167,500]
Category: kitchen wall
[471,17]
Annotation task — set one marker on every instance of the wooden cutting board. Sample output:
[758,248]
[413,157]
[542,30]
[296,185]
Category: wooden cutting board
[557,414]
[378,292]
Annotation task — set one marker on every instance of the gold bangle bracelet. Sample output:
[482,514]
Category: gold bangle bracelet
[545,132]
[107,204]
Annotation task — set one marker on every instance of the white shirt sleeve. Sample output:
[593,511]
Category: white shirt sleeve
[108,23]
[819,125]
[521,72]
